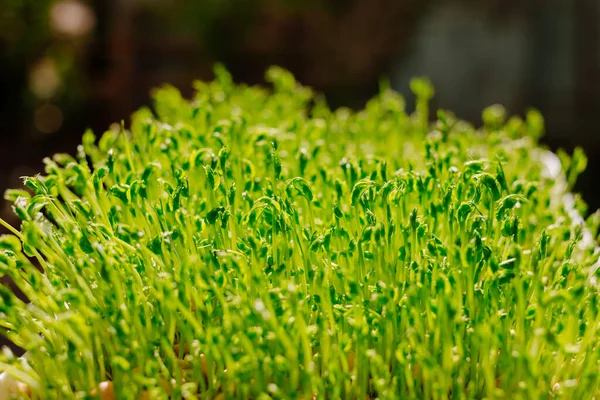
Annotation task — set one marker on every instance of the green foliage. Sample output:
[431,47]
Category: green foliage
[255,244]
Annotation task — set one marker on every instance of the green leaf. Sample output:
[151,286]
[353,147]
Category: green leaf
[491,184]
[85,245]
[155,245]
[302,186]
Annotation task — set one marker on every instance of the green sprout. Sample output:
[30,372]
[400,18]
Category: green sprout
[254,244]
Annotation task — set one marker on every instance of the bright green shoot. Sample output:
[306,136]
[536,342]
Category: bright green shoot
[255,244]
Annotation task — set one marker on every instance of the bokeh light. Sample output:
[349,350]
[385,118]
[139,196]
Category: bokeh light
[71,18]
[48,118]
[44,79]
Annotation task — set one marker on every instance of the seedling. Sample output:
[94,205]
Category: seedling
[255,244]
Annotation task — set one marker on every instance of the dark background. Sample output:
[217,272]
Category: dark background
[66,65]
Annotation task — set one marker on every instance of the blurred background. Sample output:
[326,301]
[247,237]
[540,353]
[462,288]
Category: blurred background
[66,65]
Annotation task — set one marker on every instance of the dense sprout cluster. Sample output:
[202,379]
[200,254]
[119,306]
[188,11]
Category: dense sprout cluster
[255,244]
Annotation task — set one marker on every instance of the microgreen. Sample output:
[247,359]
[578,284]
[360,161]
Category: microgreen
[255,244]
